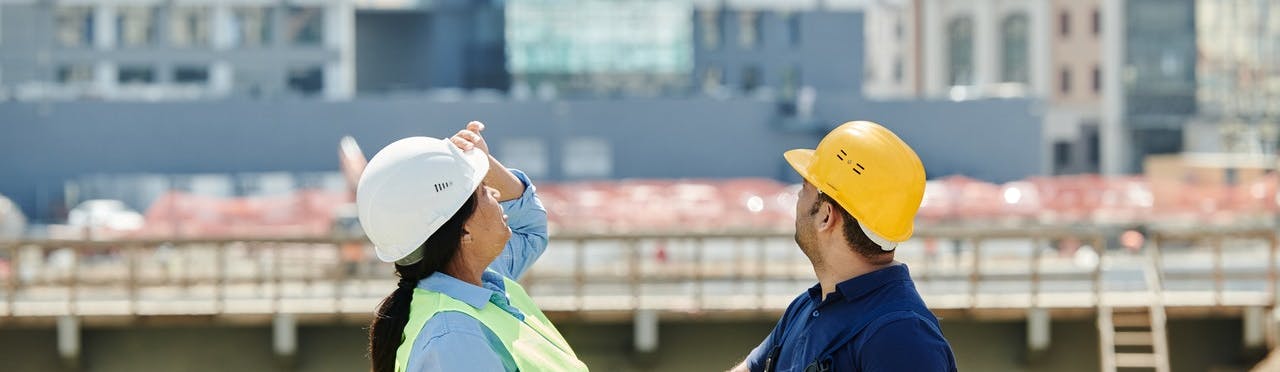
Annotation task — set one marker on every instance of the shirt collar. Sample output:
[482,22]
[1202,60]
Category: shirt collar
[864,284]
[468,293]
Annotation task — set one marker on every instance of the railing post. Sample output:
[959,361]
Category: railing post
[975,273]
[579,274]
[277,275]
[220,279]
[1098,294]
[1271,267]
[762,254]
[11,281]
[1218,285]
[74,280]
[633,271]
[131,260]
[699,246]
[340,279]
[1035,271]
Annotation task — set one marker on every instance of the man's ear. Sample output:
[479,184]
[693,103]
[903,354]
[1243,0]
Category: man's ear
[826,217]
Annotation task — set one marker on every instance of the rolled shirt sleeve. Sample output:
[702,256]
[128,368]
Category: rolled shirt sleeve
[528,221]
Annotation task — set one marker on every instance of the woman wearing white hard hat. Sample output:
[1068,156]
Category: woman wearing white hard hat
[435,207]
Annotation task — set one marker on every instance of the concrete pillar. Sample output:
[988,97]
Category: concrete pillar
[339,35]
[220,78]
[1255,327]
[69,340]
[284,332]
[1038,326]
[104,27]
[646,330]
[1041,75]
[104,77]
[224,33]
[1114,132]
[986,46]
[934,56]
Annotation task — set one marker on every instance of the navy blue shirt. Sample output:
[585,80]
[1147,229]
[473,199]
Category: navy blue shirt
[874,322]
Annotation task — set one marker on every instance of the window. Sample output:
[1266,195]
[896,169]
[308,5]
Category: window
[1097,22]
[1092,144]
[251,26]
[1014,65]
[960,51]
[74,74]
[1097,79]
[748,29]
[750,78]
[305,26]
[526,154]
[791,82]
[1064,24]
[191,75]
[898,30]
[189,26]
[1061,154]
[588,157]
[1064,83]
[793,28]
[709,24]
[712,79]
[131,75]
[306,80]
[135,26]
[898,73]
[75,26]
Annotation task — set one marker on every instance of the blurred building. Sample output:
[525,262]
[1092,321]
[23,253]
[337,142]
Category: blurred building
[165,50]
[1237,76]
[584,89]
[1119,79]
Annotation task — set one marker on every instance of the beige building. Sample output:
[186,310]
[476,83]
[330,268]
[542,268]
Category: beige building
[975,49]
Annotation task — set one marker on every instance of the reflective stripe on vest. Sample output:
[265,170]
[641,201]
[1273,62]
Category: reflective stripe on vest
[535,344]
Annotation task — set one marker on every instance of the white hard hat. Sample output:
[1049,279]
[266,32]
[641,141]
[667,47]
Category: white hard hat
[412,187]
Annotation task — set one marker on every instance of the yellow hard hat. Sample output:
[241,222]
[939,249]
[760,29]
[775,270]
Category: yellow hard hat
[870,172]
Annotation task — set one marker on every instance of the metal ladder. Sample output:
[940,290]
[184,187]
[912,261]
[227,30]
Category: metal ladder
[1136,338]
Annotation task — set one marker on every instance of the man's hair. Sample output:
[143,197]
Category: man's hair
[853,233]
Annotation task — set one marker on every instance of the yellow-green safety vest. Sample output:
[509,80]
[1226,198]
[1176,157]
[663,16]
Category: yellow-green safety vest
[535,344]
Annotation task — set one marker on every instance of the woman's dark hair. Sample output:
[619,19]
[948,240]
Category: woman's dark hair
[393,313]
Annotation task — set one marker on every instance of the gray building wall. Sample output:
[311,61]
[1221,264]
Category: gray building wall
[391,51]
[29,52]
[828,53]
[25,31]
[994,139]
[44,145]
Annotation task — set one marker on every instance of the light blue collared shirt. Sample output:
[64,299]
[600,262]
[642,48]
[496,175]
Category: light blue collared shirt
[453,341]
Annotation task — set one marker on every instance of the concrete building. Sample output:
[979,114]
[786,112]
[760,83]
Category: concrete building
[188,49]
[760,76]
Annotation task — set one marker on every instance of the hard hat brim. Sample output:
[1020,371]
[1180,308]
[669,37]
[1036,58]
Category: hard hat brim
[800,159]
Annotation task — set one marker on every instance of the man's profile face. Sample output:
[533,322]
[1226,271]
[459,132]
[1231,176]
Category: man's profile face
[806,210]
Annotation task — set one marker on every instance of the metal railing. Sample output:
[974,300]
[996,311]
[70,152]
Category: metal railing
[692,273]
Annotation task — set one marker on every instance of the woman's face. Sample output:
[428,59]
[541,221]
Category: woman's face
[487,228]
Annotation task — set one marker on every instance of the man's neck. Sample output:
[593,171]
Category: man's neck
[842,267]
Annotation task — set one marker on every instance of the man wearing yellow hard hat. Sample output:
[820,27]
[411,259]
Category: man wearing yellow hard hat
[862,189]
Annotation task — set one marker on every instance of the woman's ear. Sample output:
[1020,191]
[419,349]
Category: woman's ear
[466,236]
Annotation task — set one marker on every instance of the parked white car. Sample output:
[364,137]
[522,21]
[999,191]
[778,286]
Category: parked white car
[12,222]
[105,213]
